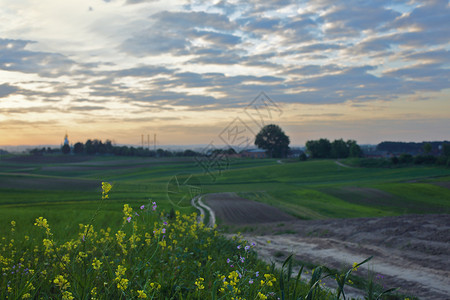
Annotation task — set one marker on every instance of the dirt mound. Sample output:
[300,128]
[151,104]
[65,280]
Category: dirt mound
[234,210]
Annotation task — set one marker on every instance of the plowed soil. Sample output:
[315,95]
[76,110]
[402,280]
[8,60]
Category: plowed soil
[410,252]
[234,210]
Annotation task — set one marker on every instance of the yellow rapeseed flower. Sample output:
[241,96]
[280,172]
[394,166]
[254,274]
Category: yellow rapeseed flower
[262,296]
[155,285]
[199,283]
[141,294]
[122,284]
[66,295]
[96,264]
[120,271]
[61,282]
[106,187]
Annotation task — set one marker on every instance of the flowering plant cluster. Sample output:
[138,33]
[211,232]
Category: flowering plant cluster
[152,255]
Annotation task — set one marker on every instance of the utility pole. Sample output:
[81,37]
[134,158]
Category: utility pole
[154,142]
[142,140]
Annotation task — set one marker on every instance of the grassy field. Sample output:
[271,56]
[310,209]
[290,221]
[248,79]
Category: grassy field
[67,189]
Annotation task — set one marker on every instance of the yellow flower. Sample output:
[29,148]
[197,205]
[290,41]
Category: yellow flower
[141,294]
[96,264]
[106,187]
[355,268]
[94,293]
[262,296]
[128,213]
[82,254]
[26,296]
[199,283]
[122,284]
[155,285]
[66,295]
[61,282]
[47,243]
[120,271]
[41,222]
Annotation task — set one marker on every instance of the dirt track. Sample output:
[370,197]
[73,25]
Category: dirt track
[410,252]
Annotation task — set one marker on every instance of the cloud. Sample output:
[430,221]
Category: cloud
[14,57]
[429,15]
[6,90]
[348,18]
[436,56]
[142,71]
[85,108]
[199,55]
[217,38]
[172,32]
[137,1]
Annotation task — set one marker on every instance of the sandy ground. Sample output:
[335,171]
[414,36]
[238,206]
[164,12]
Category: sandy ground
[410,252]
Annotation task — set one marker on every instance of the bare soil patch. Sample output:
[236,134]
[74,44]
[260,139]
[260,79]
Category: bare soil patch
[410,252]
[234,210]
[360,195]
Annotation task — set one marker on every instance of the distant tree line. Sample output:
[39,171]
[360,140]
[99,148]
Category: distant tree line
[323,148]
[411,147]
[426,156]
[97,147]
[3,152]
[43,150]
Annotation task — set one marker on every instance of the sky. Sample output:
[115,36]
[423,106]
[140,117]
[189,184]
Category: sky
[200,72]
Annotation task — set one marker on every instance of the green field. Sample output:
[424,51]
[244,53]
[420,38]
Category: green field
[67,190]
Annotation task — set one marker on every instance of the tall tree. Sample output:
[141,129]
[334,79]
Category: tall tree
[339,149]
[65,149]
[319,149]
[78,148]
[273,139]
[89,147]
[354,150]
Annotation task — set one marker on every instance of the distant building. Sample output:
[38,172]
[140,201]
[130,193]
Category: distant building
[66,140]
[254,153]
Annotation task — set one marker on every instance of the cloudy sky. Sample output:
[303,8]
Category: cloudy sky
[191,71]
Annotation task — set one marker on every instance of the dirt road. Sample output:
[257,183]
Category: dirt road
[410,252]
